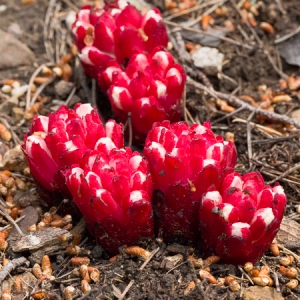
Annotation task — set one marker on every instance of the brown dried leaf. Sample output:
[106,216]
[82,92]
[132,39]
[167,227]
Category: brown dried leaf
[288,232]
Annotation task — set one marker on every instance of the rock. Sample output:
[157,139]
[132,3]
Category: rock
[296,114]
[7,106]
[261,293]
[63,88]
[31,217]
[209,60]
[14,160]
[28,278]
[17,113]
[199,38]
[169,262]
[13,52]
[290,50]
[15,30]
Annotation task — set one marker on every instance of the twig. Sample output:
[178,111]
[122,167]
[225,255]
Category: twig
[229,40]
[227,115]
[36,72]
[12,221]
[280,7]
[290,252]
[296,167]
[13,264]
[148,259]
[14,136]
[276,281]
[194,8]
[240,103]
[184,105]
[244,273]
[279,72]
[207,12]
[126,290]
[249,144]
[287,36]
[70,96]
[270,130]
[9,225]
[71,5]
[247,23]
[40,89]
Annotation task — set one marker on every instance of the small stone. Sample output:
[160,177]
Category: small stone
[15,30]
[63,88]
[7,106]
[296,114]
[19,91]
[6,89]
[97,251]
[14,160]
[74,99]
[13,52]
[261,293]
[209,60]
[17,113]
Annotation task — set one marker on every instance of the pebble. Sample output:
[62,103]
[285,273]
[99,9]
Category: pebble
[209,60]
[13,52]
[17,113]
[63,88]
[7,106]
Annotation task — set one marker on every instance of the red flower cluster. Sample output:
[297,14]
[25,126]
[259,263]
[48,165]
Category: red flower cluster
[194,184]
[197,195]
[123,50]
[239,220]
[73,152]
[184,162]
[113,189]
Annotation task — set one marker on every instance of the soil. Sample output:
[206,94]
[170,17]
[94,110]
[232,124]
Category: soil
[245,72]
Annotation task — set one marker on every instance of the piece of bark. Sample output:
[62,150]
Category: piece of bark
[45,237]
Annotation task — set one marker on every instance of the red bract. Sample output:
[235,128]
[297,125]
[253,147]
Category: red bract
[112,188]
[184,162]
[150,89]
[116,33]
[239,220]
[61,139]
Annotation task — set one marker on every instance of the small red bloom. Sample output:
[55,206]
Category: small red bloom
[184,161]
[150,89]
[239,220]
[112,188]
[61,139]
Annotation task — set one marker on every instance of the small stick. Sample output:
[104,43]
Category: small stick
[12,221]
[208,33]
[9,225]
[36,72]
[287,36]
[289,251]
[126,290]
[184,105]
[194,8]
[248,277]
[148,259]
[227,115]
[13,264]
[240,103]
[296,167]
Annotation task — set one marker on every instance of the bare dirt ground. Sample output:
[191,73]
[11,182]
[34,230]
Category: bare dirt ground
[244,100]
